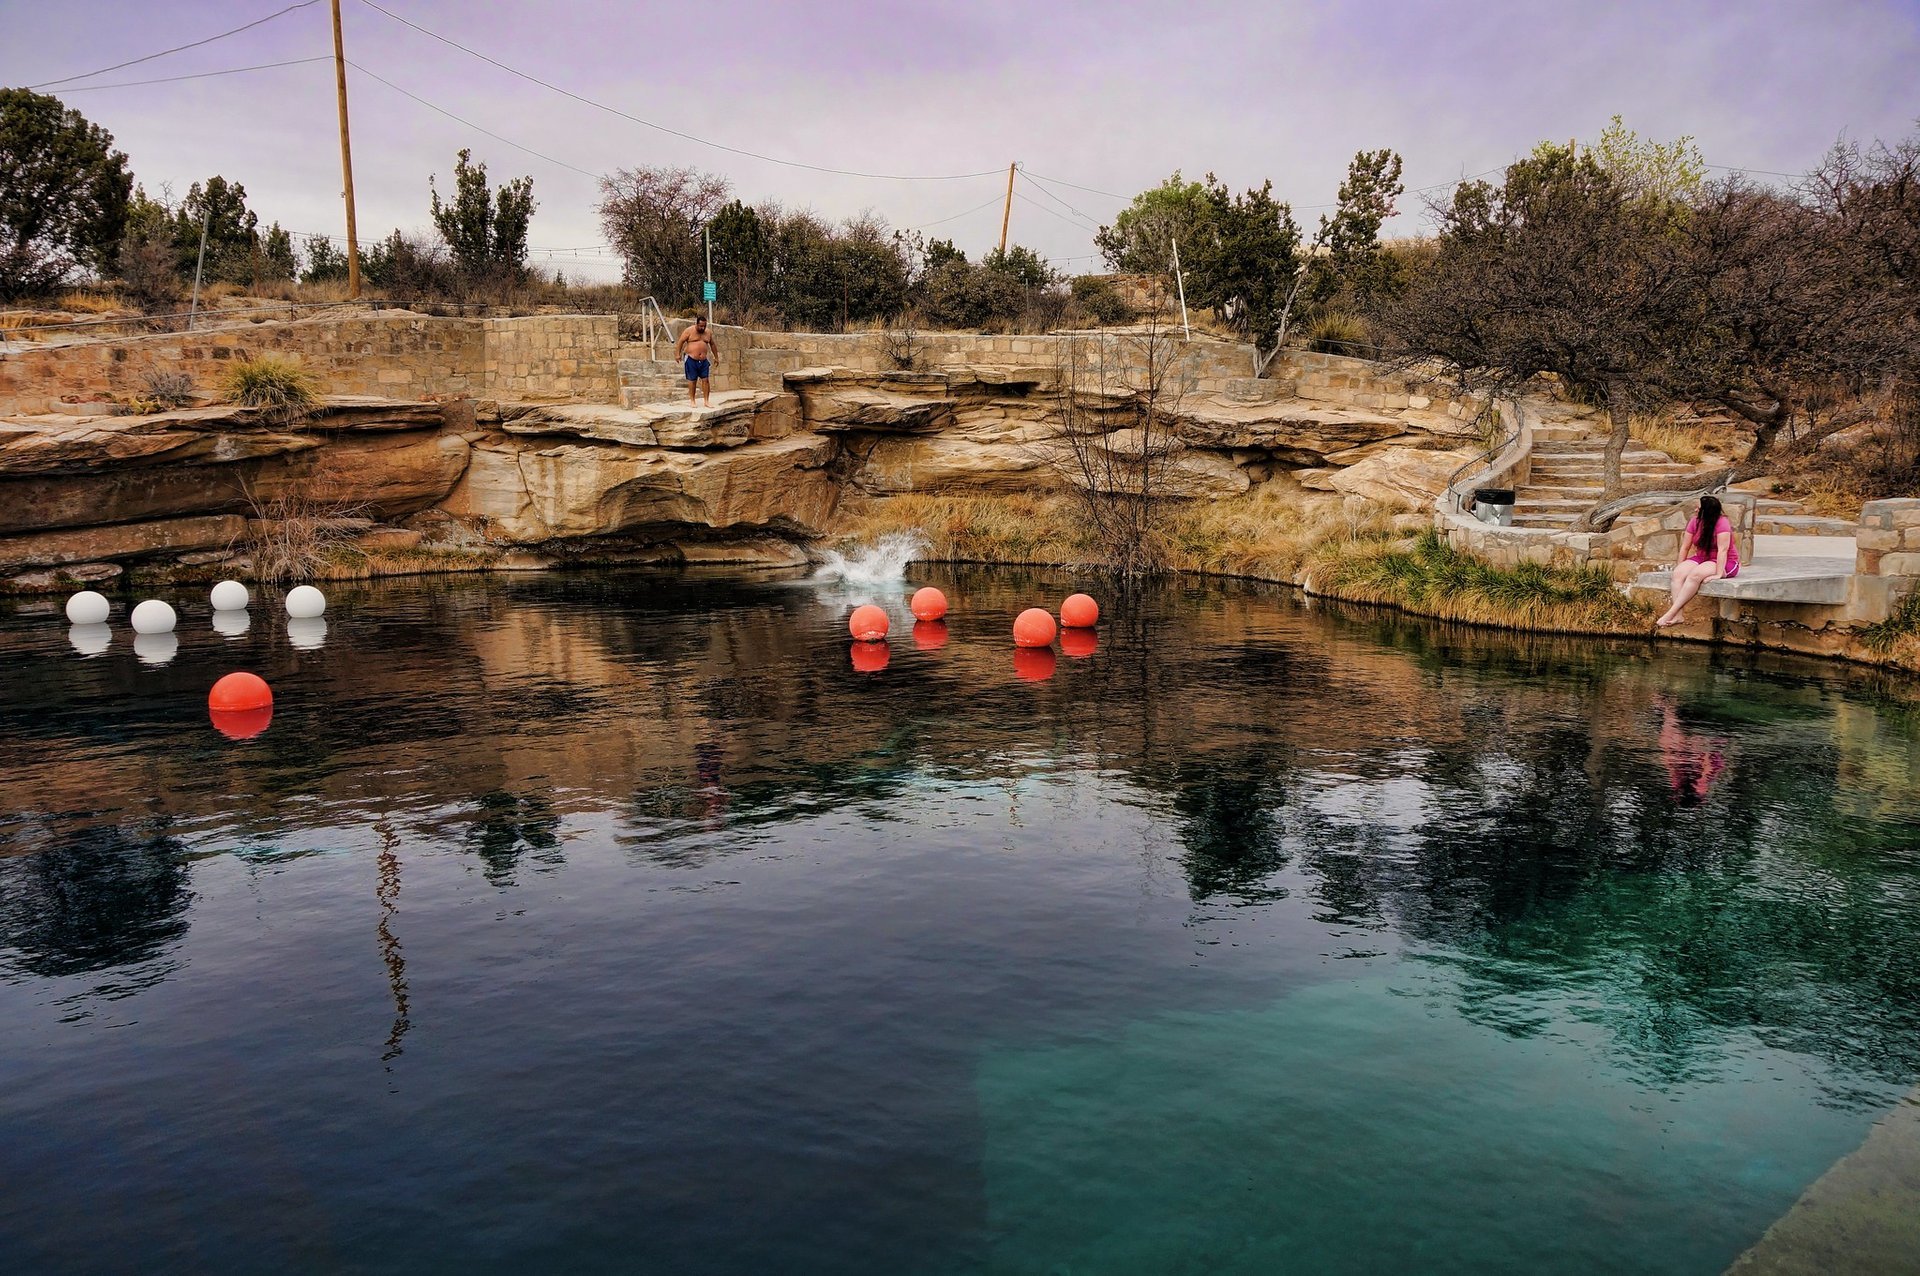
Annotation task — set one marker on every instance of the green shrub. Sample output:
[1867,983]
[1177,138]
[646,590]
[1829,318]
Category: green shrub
[272,384]
[1101,302]
[1902,622]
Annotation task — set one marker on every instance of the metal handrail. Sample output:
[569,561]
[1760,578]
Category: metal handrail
[1485,459]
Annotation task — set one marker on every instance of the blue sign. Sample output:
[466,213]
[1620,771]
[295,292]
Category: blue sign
[708,292]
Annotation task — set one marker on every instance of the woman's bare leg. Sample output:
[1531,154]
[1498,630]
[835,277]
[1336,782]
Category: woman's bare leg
[1687,579]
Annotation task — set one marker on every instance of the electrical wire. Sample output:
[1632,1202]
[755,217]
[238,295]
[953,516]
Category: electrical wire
[180,48]
[469,123]
[1063,203]
[956,217]
[203,75]
[674,132]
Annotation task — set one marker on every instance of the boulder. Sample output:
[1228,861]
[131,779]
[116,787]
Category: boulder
[1288,432]
[528,494]
[119,541]
[1403,477]
[736,418]
[868,409]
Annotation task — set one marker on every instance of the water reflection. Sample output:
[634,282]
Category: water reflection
[156,649]
[231,623]
[307,633]
[662,839]
[90,640]
[106,900]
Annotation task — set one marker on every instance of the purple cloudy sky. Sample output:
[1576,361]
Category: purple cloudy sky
[1110,95]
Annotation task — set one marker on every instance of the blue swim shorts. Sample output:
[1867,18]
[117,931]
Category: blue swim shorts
[698,369]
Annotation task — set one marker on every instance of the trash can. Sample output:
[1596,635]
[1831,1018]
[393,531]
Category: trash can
[1494,505]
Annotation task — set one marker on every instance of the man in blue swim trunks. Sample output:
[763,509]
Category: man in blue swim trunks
[696,348]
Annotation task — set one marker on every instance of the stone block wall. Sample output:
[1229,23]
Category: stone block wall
[1361,383]
[1649,544]
[394,354]
[1886,557]
[569,357]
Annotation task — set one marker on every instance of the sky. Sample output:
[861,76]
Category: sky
[1095,100]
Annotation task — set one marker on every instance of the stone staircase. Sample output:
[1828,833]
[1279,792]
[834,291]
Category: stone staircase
[645,379]
[1565,483]
[1566,475]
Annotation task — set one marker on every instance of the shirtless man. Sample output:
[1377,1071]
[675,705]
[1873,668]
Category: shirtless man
[697,349]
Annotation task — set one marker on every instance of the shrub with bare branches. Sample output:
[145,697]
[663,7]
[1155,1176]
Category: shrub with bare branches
[1118,445]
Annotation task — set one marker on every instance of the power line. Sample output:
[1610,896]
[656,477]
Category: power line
[203,75]
[662,128]
[469,123]
[1063,203]
[1049,212]
[956,217]
[181,48]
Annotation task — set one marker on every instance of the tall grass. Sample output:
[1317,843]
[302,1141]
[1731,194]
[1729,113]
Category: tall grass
[1433,578]
[271,384]
[1271,534]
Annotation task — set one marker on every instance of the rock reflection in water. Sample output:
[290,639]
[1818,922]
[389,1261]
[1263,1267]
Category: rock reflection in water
[689,900]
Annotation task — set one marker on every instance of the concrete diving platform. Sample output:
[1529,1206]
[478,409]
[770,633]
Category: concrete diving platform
[1785,569]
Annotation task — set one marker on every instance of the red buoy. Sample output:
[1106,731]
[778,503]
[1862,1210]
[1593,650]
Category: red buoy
[929,635]
[928,604]
[868,623]
[240,691]
[241,724]
[1079,612]
[1033,664]
[1079,643]
[869,657]
[1034,627]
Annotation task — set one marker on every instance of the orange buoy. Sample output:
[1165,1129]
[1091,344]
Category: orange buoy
[928,604]
[1079,612]
[1079,643]
[868,623]
[240,691]
[241,724]
[929,635]
[1033,664]
[1034,627]
[869,657]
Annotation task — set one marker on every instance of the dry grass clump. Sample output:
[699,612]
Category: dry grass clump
[1271,534]
[1692,441]
[1430,577]
[19,326]
[979,528]
[90,303]
[271,384]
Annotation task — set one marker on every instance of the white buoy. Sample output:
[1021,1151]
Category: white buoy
[307,633]
[90,640]
[229,595]
[231,624]
[304,602]
[153,617]
[156,648]
[87,608]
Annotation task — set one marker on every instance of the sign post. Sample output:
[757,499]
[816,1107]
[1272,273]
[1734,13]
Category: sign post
[709,293]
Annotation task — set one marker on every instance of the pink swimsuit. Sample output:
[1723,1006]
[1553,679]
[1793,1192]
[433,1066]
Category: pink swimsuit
[1723,527]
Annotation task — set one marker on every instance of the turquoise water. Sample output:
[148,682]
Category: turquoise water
[616,923]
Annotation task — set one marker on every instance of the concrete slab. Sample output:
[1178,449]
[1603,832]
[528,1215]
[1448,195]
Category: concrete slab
[1783,579]
[1862,1216]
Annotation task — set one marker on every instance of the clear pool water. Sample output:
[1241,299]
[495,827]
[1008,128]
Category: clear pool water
[616,923]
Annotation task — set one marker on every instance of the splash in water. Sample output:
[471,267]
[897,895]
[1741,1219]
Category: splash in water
[874,564]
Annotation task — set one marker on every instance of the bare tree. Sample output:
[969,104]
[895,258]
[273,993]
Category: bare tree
[1118,444]
[653,217]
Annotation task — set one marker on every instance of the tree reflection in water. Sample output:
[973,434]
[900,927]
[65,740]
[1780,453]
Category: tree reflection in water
[103,899]
[508,827]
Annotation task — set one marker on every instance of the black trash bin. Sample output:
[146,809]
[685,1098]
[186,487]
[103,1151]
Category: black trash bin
[1494,505]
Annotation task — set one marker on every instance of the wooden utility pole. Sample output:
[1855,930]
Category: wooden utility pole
[346,157]
[1006,214]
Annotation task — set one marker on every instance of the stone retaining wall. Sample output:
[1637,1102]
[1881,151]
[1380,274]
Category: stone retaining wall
[552,357]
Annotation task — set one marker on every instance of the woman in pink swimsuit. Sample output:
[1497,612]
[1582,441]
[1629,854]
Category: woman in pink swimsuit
[1707,552]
